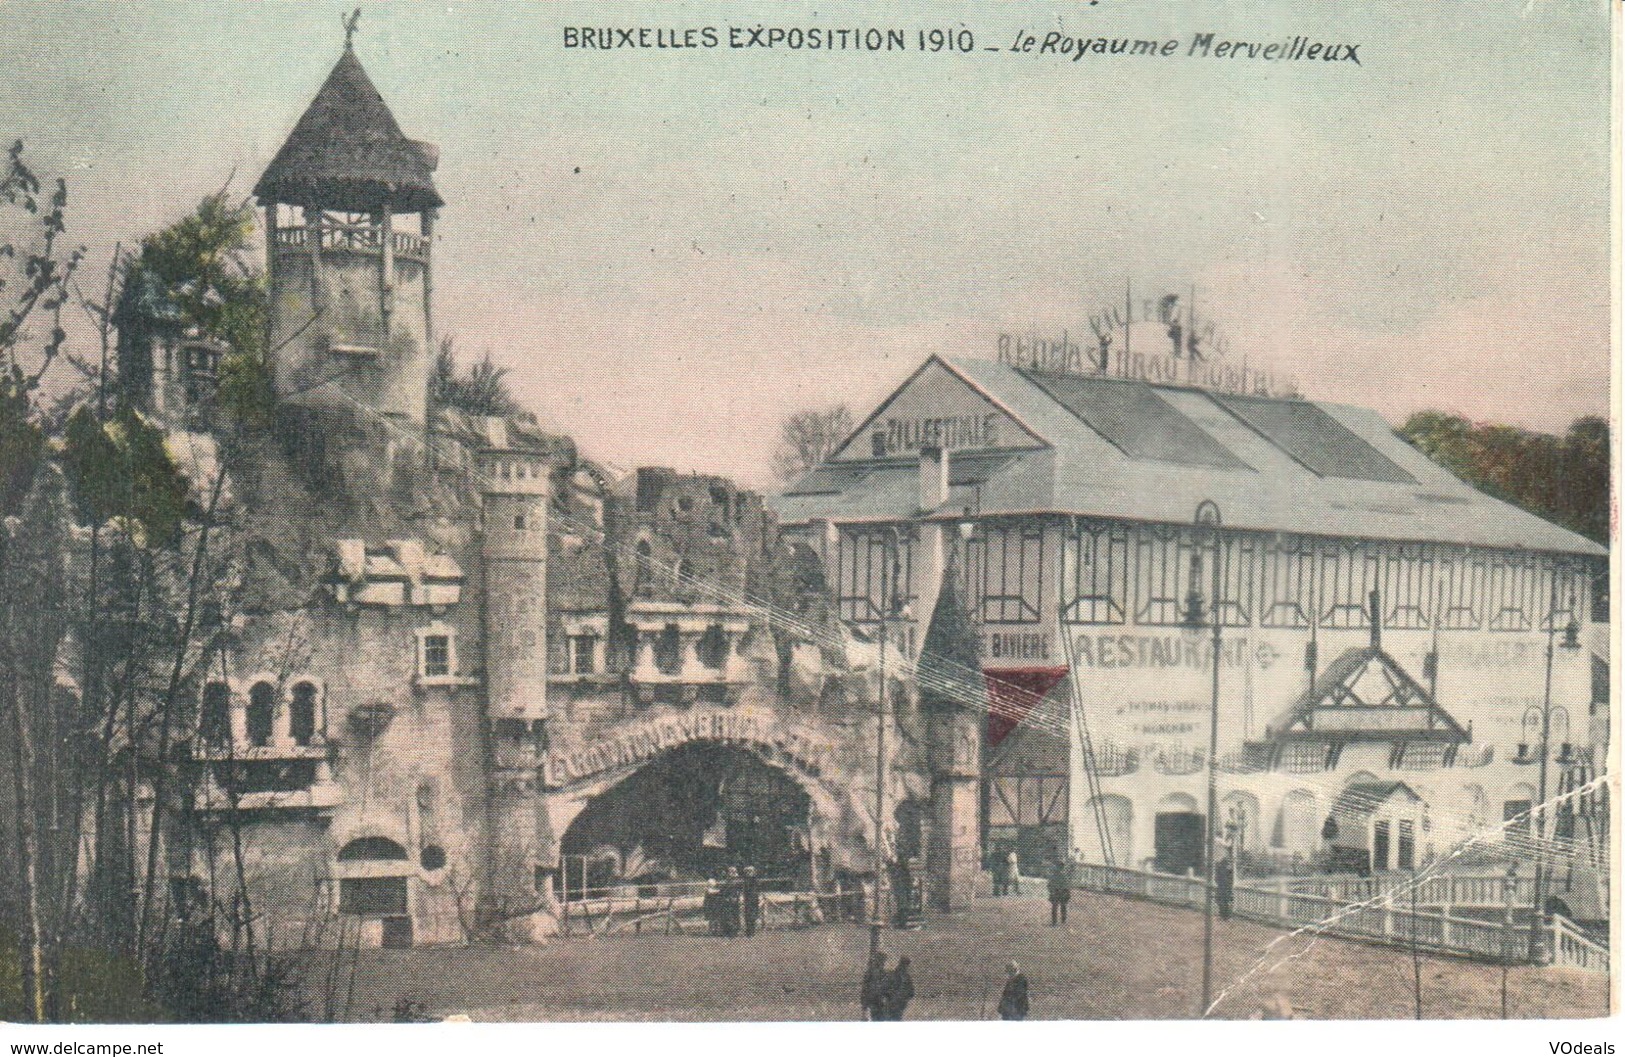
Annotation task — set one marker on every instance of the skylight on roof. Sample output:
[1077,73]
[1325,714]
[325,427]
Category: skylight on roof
[1314,438]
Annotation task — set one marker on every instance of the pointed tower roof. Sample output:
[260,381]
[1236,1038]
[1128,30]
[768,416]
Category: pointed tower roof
[948,656]
[348,153]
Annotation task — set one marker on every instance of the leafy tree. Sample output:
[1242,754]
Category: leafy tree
[35,279]
[120,469]
[104,634]
[807,438]
[194,278]
[481,390]
[1563,479]
[22,443]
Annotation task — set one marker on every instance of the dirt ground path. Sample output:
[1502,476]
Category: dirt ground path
[1114,959]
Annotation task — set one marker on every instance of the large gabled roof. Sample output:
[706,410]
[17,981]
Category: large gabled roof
[348,153]
[1096,446]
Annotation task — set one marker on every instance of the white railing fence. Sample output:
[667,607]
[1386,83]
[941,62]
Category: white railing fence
[1376,910]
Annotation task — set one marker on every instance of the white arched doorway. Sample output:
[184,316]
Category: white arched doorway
[1299,827]
[1117,815]
[1181,835]
[373,875]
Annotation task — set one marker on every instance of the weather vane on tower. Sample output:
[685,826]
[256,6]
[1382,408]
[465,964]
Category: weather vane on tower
[350,21]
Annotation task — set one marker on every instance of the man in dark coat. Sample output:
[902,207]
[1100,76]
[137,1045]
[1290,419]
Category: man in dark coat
[732,903]
[898,991]
[1001,874]
[1224,885]
[1013,1002]
[871,996]
[751,893]
[1060,892]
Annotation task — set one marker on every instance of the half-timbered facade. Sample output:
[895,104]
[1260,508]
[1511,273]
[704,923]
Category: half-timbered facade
[1070,501]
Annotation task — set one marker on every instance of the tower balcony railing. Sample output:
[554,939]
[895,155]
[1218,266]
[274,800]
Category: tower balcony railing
[355,238]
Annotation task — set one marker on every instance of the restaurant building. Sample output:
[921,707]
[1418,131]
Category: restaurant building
[1384,627]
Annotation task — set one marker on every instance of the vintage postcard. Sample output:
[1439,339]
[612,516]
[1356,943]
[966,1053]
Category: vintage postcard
[765,512]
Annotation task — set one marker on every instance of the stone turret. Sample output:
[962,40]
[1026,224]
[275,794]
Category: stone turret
[513,549]
[515,486]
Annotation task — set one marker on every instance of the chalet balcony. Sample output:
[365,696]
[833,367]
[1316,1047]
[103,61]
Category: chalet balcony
[354,238]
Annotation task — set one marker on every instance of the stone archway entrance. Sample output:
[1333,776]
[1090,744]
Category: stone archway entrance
[689,814]
[598,801]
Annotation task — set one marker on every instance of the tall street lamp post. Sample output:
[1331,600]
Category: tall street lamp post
[1571,641]
[1208,523]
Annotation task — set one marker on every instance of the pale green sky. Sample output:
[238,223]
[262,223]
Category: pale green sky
[751,231]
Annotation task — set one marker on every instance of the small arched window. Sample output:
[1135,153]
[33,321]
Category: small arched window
[261,710]
[714,647]
[669,650]
[302,713]
[214,719]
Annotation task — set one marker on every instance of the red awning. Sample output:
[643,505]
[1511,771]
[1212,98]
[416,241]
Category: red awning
[1012,693]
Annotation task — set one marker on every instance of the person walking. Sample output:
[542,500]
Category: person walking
[751,894]
[872,994]
[1013,870]
[1013,1002]
[899,990]
[732,902]
[1224,886]
[1060,892]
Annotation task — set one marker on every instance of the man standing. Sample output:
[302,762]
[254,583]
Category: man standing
[1060,892]
[1224,885]
[872,994]
[898,991]
[1013,1003]
[732,903]
[1013,874]
[751,890]
[1001,876]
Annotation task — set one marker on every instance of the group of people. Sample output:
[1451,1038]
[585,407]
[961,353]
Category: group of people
[1007,881]
[1006,874]
[886,993]
[734,904]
